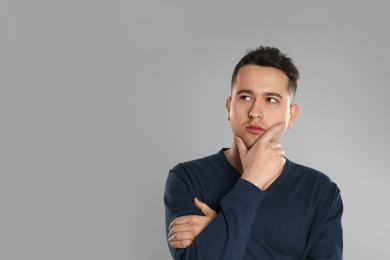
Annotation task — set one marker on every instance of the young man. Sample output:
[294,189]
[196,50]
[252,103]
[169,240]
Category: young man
[249,201]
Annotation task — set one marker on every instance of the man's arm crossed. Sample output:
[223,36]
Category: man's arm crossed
[183,230]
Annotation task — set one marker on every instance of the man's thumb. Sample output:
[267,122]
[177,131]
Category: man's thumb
[206,210]
[273,133]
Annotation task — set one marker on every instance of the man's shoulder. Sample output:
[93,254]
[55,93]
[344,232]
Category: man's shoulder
[311,175]
[210,161]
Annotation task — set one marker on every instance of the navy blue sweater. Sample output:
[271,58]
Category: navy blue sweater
[297,217]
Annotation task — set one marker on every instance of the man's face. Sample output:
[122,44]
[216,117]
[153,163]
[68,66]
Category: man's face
[259,100]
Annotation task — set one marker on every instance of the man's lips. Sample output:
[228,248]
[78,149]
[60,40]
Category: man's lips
[255,129]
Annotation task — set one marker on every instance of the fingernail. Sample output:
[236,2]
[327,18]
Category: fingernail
[169,239]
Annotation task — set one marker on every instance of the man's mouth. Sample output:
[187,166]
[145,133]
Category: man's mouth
[255,129]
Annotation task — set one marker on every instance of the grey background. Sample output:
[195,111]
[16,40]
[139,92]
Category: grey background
[99,99]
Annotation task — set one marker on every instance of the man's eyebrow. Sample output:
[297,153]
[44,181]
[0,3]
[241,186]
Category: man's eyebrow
[266,94]
[273,94]
[246,91]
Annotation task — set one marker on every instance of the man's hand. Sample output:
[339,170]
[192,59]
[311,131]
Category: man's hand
[264,161]
[184,230]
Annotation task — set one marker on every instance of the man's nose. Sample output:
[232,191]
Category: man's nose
[255,112]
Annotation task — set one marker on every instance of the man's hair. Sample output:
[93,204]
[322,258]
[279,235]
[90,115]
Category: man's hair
[270,57]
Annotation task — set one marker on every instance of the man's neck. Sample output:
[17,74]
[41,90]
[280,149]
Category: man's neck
[233,156]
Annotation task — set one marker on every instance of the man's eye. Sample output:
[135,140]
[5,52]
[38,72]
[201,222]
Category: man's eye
[245,97]
[272,100]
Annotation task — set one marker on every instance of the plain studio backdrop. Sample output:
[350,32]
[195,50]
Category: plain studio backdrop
[99,99]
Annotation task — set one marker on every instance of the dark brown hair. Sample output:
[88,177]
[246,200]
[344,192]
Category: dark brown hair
[270,57]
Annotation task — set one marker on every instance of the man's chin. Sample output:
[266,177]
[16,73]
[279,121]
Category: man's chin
[249,142]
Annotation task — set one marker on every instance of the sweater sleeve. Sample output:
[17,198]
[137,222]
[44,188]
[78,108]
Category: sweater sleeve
[227,235]
[329,242]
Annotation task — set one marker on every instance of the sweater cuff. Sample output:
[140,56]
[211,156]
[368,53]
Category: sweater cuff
[247,192]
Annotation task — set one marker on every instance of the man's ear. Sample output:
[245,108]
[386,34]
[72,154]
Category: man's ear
[294,109]
[228,103]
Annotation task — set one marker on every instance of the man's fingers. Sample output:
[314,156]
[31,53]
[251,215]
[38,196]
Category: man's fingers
[240,145]
[180,221]
[183,230]
[280,151]
[177,229]
[275,144]
[206,210]
[184,235]
[181,243]
[273,133]
[181,240]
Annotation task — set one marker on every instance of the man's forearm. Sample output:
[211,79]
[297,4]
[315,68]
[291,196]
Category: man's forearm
[227,235]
